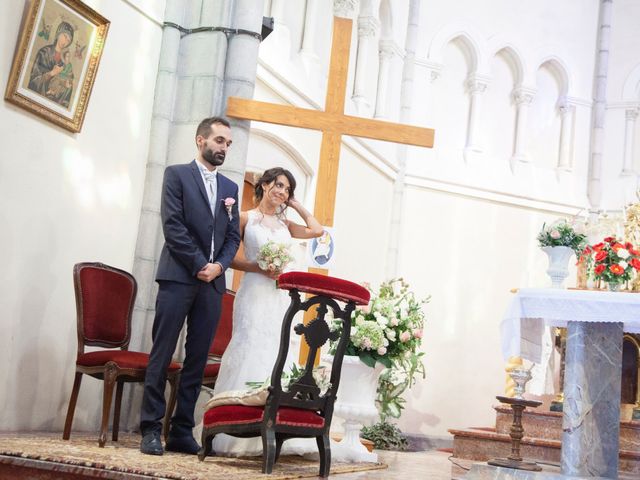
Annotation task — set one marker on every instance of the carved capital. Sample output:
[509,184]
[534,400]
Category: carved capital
[523,95]
[368,26]
[476,84]
[433,70]
[566,108]
[385,49]
[345,8]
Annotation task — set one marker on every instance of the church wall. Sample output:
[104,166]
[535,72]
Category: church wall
[623,99]
[362,220]
[469,218]
[467,253]
[67,198]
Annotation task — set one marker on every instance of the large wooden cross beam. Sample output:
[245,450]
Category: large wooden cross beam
[333,123]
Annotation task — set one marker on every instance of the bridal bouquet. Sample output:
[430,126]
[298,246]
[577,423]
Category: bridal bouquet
[274,257]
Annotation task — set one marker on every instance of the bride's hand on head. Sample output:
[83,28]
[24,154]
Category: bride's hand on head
[293,203]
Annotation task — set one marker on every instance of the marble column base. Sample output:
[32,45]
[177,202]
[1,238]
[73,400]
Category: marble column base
[487,472]
[591,414]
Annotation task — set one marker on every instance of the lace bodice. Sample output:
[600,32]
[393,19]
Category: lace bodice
[259,230]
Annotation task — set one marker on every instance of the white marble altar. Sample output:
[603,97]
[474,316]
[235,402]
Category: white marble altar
[595,321]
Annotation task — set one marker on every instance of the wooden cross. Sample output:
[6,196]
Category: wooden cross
[333,123]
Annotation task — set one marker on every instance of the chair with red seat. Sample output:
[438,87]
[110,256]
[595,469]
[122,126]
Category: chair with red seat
[104,303]
[218,346]
[301,410]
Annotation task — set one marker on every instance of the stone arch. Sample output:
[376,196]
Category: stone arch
[288,149]
[514,60]
[559,70]
[472,42]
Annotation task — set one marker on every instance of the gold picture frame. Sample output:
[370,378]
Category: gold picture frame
[56,61]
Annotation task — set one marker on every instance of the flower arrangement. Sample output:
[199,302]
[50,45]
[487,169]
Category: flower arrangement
[389,330]
[274,257]
[562,234]
[613,261]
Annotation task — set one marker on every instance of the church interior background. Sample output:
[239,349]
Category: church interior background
[508,87]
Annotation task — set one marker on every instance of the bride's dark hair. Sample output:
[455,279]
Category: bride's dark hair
[269,176]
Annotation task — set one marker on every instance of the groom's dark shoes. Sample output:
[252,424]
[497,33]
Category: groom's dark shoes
[186,444]
[151,444]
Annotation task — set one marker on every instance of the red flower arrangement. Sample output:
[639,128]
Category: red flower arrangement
[613,261]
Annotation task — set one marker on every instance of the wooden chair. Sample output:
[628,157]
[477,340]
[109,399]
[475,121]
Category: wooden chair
[218,346]
[104,303]
[301,411]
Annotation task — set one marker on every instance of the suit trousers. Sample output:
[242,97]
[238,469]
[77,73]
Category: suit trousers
[200,304]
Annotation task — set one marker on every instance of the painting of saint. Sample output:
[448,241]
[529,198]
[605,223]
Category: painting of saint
[56,60]
[52,72]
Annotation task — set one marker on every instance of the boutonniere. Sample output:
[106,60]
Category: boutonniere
[228,204]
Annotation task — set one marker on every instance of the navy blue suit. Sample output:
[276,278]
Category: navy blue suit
[187,223]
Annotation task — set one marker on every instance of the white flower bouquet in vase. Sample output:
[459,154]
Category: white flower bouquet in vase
[274,257]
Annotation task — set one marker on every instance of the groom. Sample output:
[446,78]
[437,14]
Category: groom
[199,213]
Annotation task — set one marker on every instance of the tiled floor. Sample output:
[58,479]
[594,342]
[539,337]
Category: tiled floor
[430,465]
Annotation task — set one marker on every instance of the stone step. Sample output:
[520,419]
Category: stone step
[548,425]
[481,445]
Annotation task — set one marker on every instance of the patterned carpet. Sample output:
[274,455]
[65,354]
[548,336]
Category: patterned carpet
[82,451]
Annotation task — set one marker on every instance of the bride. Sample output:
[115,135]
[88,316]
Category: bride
[259,306]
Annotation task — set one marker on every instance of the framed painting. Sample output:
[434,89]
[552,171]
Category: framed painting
[56,61]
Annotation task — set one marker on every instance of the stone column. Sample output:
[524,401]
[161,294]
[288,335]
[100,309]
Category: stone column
[190,86]
[629,140]
[522,97]
[240,81]
[385,54]
[476,86]
[406,104]
[368,30]
[277,12]
[150,230]
[591,413]
[309,33]
[567,114]
[594,189]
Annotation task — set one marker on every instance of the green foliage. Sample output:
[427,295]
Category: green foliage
[562,234]
[389,330]
[385,436]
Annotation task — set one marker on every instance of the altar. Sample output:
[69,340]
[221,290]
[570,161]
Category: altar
[595,321]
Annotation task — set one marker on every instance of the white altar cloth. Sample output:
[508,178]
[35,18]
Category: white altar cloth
[531,309]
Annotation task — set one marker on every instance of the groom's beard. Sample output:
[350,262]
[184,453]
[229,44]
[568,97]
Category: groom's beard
[215,159]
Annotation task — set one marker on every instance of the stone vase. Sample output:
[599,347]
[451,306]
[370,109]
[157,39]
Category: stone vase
[356,405]
[558,269]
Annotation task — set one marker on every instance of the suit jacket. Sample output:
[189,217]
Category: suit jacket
[188,224]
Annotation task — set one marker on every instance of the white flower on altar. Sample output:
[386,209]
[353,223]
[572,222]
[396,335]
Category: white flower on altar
[623,264]
[391,334]
[555,234]
[623,253]
[382,351]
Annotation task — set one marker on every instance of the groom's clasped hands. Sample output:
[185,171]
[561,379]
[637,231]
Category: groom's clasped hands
[209,272]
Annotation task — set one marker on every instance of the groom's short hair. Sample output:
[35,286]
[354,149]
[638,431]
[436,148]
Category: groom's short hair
[204,129]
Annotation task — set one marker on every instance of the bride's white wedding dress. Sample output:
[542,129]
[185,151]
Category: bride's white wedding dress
[258,311]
